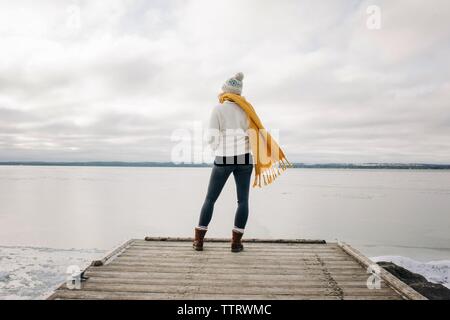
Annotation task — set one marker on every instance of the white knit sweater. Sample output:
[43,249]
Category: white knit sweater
[227,132]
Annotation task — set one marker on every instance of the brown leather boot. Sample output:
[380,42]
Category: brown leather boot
[198,240]
[236,244]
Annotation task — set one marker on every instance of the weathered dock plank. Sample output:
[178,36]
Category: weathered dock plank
[168,268]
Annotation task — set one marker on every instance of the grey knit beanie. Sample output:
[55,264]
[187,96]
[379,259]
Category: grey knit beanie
[234,84]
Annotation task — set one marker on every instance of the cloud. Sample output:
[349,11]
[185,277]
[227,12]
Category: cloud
[94,80]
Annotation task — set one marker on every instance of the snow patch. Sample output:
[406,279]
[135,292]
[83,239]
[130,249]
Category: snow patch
[433,271]
[33,273]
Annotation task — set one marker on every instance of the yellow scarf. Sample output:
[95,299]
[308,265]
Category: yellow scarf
[267,154]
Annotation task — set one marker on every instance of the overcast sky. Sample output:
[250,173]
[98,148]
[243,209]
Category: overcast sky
[112,80]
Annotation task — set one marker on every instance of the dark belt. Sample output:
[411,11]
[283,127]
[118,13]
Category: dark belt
[231,160]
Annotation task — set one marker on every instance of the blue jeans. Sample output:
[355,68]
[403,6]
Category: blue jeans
[219,175]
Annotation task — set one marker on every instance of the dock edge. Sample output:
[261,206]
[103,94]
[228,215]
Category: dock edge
[402,288]
[248,240]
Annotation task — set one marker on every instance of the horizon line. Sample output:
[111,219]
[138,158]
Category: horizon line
[113,163]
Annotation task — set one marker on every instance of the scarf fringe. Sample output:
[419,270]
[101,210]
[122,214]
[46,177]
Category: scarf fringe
[268,175]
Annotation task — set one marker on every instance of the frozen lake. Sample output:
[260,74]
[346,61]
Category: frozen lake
[399,212]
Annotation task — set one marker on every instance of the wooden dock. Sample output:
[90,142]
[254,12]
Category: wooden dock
[168,268]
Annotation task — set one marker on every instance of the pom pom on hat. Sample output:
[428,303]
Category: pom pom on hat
[239,76]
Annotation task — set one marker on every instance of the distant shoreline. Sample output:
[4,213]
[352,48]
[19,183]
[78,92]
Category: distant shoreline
[421,166]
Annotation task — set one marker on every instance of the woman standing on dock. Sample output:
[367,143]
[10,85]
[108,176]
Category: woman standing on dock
[235,133]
